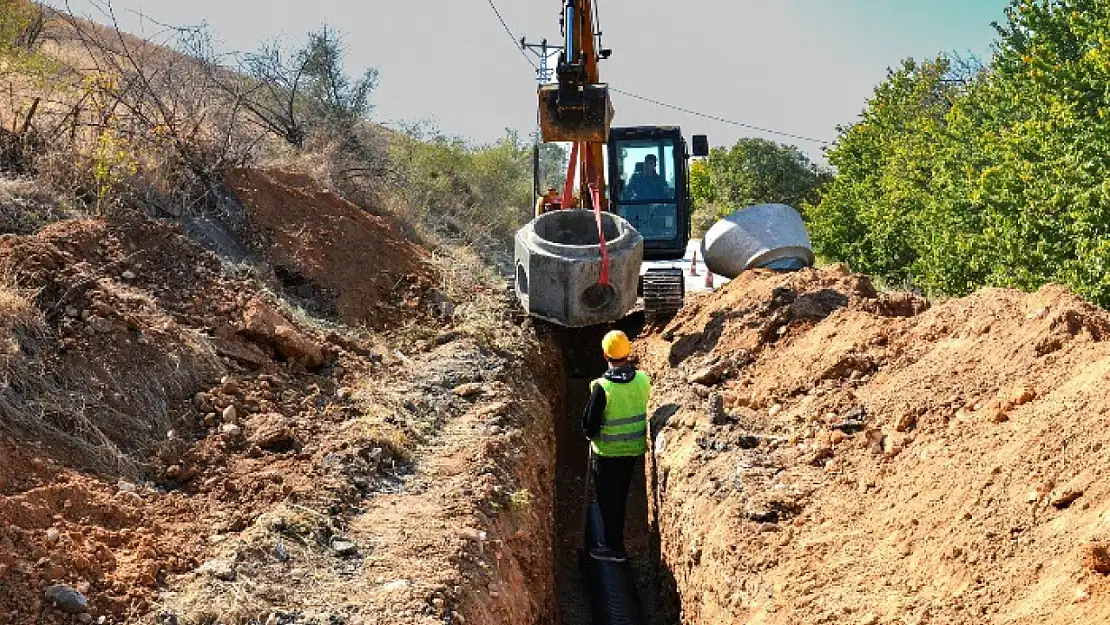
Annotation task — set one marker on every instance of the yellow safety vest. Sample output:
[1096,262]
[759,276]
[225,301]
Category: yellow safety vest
[624,426]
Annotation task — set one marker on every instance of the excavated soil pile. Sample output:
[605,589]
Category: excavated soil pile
[828,454]
[179,445]
[332,254]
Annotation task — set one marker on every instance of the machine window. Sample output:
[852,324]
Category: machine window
[656,222]
[646,170]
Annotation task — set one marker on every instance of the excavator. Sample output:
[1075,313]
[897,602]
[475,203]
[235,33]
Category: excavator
[647,167]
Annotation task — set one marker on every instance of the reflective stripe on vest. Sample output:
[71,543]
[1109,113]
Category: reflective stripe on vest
[624,425]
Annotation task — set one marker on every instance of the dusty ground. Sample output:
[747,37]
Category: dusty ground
[344,430]
[829,454]
[182,443]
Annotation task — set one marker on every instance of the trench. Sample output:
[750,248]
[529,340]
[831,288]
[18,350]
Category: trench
[655,589]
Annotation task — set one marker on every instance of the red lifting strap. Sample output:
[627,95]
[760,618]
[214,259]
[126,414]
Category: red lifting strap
[572,168]
[595,193]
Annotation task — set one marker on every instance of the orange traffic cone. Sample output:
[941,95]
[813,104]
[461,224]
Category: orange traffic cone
[694,265]
[708,278]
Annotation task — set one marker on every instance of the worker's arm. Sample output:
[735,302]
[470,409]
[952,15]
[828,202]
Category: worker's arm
[593,415]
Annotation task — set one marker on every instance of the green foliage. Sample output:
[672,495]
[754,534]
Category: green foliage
[995,177]
[754,171]
[478,194]
[21,26]
[21,23]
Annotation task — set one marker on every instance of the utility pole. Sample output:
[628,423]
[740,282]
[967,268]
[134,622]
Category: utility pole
[544,52]
[544,74]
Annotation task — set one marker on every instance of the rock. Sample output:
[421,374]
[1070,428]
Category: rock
[128,275]
[906,422]
[173,471]
[1066,497]
[893,445]
[101,325]
[84,618]
[1022,395]
[203,402]
[271,432]
[344,394]
[837,437]
[219,568]
[709,376]
[280,552]
[67,599]
[230,414]
[72,312]
[53,535]
[717,414]
[343,547]
[266,326]
[399,584]
[231,430]
[126,487]
[774,410]
[1096,557]
[467,391]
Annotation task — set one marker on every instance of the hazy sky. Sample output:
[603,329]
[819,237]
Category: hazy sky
[799,66]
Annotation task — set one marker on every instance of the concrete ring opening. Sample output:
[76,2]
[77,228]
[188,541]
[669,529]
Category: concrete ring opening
[575,227]
[599,297]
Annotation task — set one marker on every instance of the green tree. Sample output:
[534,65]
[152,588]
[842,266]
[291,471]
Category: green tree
[999,177]
[753,171]
[21,25]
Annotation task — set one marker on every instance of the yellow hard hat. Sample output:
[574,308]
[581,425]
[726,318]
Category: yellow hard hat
[616,345]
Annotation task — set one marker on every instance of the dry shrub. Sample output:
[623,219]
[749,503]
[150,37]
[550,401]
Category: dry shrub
[17,308]
[484,310]
[27,205]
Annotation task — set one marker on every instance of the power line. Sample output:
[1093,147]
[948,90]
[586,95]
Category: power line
[721,119]
[511,35]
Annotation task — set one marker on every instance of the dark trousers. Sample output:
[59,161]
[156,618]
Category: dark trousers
[612,478]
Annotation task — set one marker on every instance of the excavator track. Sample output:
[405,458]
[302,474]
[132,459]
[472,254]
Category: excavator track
[664,291]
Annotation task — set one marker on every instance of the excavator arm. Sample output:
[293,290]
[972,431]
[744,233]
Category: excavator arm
[576,108]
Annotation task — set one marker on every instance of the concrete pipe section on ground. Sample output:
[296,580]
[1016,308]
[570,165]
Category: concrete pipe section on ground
[765,236]
[558,265]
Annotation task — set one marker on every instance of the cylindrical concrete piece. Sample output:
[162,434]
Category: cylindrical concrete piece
[771,236]
[558,264]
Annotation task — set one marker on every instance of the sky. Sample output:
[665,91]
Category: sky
[796,66]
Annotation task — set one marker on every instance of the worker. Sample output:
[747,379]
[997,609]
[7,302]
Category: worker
[650,185]
[615,421]
[634,179]
[547,202]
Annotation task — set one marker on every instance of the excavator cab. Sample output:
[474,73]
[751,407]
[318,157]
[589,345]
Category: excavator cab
[649,179]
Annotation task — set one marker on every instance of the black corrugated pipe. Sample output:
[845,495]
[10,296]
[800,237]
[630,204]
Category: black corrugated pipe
[612,587]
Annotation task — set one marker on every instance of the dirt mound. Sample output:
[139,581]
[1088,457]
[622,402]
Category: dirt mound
[178,444]
[826,453]
[330,254]
[111,542]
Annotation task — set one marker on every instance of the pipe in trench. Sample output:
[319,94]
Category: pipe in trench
[612,588]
